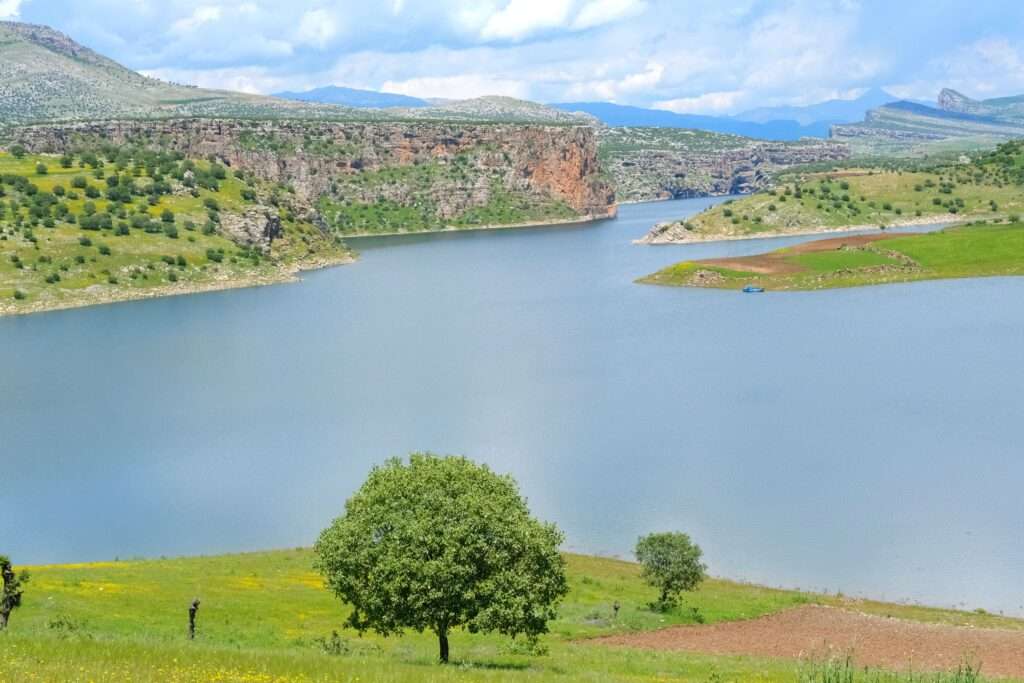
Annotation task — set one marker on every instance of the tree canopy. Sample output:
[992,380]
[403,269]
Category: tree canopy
[672,563]
[440,542]
[10,597]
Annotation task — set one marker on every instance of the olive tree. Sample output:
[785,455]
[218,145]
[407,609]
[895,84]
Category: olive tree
[671,563]
[10,597]
[439,542]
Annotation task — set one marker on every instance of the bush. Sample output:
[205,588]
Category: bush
[80,182]
[19,295]
[214,255]
[104,250]
[41,169]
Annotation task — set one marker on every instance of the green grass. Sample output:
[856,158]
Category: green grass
[984,250]
[992,186]
[264,617]
[50,258]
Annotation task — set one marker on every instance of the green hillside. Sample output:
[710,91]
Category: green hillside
[46,76]
[990,187]
[125,224]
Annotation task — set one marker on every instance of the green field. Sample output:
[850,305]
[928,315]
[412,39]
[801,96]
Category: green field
[267,617]
[991,186]
[984,250]
[93,227]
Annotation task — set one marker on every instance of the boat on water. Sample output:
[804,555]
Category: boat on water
[753,289]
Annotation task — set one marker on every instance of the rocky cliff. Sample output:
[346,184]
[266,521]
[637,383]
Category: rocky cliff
[372,176]
[660,163]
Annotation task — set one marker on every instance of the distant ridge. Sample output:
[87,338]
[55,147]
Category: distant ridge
[958,123]
[353,97]
[622,115]
[47,76]
[829,111]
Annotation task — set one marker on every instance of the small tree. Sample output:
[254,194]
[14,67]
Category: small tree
[671,563]
[436,543]
[10,598]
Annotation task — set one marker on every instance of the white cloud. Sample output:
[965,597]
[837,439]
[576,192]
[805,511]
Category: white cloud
[458,87]
[520,18]
[204,14]
[317,27]
[708,103]
[252,80]
[9,9]
[600,12]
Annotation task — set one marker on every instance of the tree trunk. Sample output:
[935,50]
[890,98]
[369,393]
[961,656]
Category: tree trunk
[4,615]
[442,637]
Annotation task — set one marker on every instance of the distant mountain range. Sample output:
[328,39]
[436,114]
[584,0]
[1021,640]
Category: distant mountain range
[353,97]
[830,111]
[958,123]
[623,115]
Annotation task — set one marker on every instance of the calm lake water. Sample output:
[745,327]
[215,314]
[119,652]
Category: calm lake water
[866,440]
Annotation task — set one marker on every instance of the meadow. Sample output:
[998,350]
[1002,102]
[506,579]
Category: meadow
[267,617]
[976,250]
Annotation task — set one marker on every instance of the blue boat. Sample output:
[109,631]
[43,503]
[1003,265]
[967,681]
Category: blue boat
[751,289]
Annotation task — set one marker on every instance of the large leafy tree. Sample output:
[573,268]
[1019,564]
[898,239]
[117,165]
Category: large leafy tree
[12,583]
[436,543]
[672,563]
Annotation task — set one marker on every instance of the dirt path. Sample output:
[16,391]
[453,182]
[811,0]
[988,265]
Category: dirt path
[815,631]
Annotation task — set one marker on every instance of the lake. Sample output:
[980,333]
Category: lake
[864,440]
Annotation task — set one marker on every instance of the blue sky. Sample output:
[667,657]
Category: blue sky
[702,56]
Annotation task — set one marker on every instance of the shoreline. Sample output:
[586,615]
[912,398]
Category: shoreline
[577,220]
[947,219]
[284,275]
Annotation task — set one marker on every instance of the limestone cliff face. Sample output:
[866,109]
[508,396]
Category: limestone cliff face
[649,164]
[318,159]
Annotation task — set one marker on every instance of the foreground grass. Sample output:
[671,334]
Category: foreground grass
[266,617]
[966,251]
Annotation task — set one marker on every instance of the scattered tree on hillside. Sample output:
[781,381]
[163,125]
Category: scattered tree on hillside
[671,563]
[10,598]
[436,543]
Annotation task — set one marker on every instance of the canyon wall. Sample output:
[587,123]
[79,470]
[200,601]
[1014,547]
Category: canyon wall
[456,168]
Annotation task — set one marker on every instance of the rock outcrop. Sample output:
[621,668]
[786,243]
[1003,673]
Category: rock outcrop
[257,227]
[648,164]
[314,160]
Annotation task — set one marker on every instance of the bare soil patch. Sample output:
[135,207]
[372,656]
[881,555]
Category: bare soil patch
[817,631]
[778,263]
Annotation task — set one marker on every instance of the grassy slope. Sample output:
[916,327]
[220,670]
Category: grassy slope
[967,251]
[990,187]
[262,614]
[136,260]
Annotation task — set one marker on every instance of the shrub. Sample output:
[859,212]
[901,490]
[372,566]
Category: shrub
[41,169]
[19,295]
[104,250]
